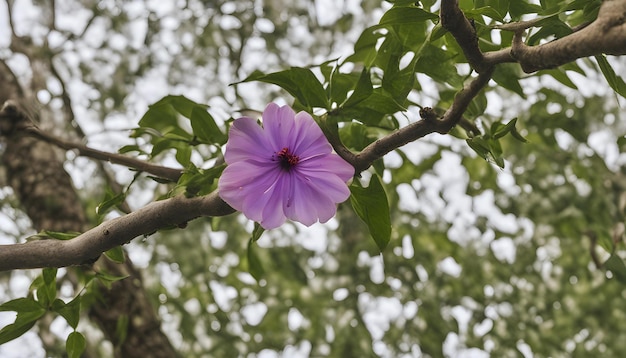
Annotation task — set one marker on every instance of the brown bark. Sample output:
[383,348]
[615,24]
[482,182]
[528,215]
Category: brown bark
[36,174]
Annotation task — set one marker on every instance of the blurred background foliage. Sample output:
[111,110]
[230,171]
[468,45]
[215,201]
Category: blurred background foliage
[482,260]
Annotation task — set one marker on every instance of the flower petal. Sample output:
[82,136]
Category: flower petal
[309,140]
[278,123]
[331,163]
[299,205]
[237,184]
[247,140]
[327,184]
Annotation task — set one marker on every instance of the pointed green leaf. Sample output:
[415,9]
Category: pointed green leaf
[75,345]
[372,207]
[59,235]
[24,304]
[299,82]
[362,90]
[257,232]
[616,82]
[28,312]
[15,330]
[205,128]
[70,311]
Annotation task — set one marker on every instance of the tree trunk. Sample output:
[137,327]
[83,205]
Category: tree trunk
[35,172]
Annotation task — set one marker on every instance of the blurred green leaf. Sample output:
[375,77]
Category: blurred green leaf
[507,76]
[372,206]
[255,266]
[58,235]
[616,82]
[75,345]
[116,254]
[617,267]
[110,202]
[121,328]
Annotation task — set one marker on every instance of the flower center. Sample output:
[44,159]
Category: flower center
[287,159]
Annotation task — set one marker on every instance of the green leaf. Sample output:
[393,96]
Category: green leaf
[75,345]
[16,329]
[58,235]
[299,82]
[255,267]
[503,129]
[130,148]
[163,116]
[257,232]
[70,311]
[616,82]
[199,181]
[403,15]
[107,279]
[205,128]
[121,329]
[111,202]
[372,206]
[24,304]
[617,267]
[362,90]
[484,11]
[507,76]
[47,290]
[116,254]
[28,312]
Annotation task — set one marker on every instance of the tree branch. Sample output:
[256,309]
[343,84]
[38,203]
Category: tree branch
[606,35]
[429,124]
[112,233]
[10,113]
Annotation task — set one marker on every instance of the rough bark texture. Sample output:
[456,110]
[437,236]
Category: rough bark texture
[36,174]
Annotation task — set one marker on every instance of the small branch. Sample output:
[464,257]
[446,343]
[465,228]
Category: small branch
[429,124]
[112,233]
[606,35]
[10,113]
[140,165]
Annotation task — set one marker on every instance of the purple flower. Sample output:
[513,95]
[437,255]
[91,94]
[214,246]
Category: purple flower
[285,169]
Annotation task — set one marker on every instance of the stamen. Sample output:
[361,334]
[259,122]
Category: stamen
[286,158]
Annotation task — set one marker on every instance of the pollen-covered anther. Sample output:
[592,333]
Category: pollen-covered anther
[287,159]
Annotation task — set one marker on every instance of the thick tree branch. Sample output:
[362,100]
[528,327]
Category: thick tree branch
[112,233]
[606,35]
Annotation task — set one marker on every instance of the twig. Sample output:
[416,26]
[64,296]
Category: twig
[11,113]
[156,170]
[429,124]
